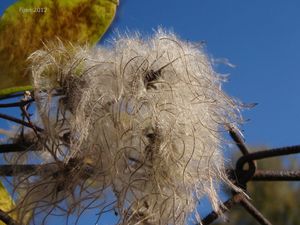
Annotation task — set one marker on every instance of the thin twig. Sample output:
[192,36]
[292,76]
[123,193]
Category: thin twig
[16,120]
[7,219]
[16,104]
[254,212]
[11,170]
[238,140]
[271,175]
[20,147]
[226,206]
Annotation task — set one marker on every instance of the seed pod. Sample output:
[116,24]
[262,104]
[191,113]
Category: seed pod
[148,120]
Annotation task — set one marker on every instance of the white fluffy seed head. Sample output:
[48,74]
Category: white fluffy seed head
[146,115]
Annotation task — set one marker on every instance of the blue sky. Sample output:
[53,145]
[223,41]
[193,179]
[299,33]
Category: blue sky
[262,38]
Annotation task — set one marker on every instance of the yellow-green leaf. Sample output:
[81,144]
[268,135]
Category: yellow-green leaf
[25,25]
[6,202]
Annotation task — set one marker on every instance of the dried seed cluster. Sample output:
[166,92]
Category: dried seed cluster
[135,127]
